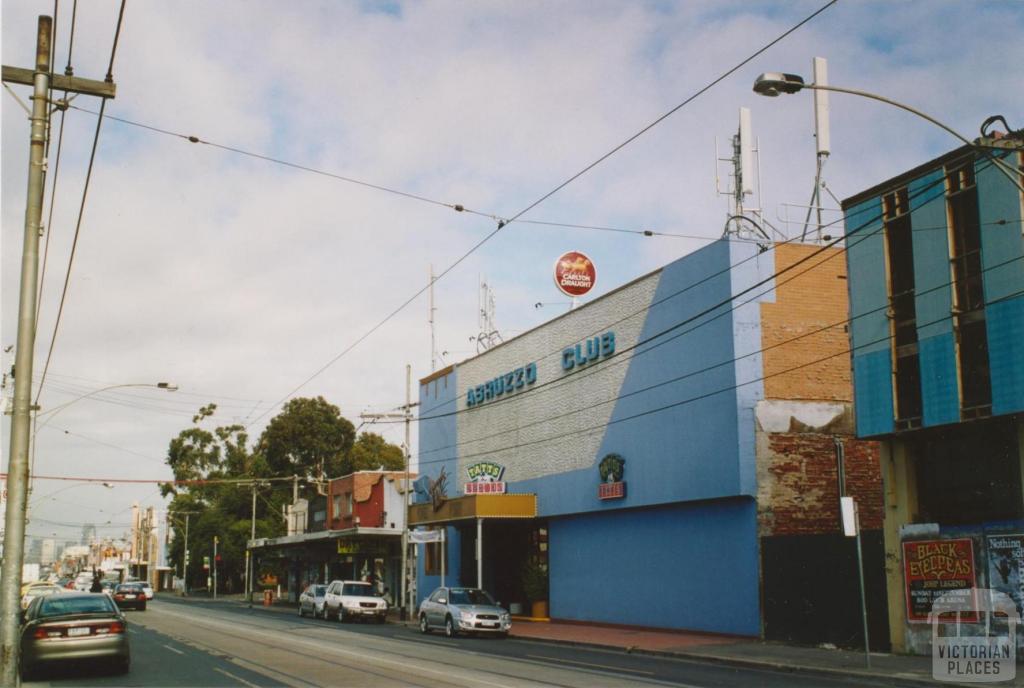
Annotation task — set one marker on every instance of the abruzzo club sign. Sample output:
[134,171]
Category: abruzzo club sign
[503,384]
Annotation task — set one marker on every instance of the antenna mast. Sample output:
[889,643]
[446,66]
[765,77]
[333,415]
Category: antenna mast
[488,335]
[822,136]
[433,335]
[743,222]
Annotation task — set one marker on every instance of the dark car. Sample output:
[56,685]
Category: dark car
[130,596]
[73,626]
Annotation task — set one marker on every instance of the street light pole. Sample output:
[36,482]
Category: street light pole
[772,84]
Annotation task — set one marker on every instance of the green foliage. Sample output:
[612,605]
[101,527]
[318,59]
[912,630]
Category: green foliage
[535,582]
[309,438]
[370,452]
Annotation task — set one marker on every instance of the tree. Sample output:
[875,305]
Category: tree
[309,438]
[371,451]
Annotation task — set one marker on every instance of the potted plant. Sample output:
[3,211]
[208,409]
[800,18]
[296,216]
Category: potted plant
[535,587]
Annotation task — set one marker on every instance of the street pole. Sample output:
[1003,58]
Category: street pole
[248,555]
[406,612]
[215,567]
[184,586]
[17,471]
[41,80]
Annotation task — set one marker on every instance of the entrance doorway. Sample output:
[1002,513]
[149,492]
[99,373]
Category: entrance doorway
[508,546]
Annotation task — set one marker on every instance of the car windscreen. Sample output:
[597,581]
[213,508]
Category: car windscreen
[470,597]
[319,590]
[129,587]
[58,605]
[358,589]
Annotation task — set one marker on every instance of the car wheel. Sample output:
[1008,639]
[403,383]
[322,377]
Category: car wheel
[123,666]
[316,612]
[142,608]
[341,615]
[302,612]
[424,626]
[449,628]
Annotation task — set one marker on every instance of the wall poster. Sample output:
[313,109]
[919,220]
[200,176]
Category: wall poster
[1006,566]
[936,567]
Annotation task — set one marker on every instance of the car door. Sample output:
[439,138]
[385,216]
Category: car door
[332,598]
[435,614]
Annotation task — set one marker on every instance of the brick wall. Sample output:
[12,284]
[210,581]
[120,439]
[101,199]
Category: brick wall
[798,486]
[803,304]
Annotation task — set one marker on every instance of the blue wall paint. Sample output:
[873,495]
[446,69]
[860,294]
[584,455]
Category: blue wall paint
[1004,323]
[752,267]
[932,274]
[681,566]
[872,392]
[940,391]
[1002,254]
[869,291]
[438,436]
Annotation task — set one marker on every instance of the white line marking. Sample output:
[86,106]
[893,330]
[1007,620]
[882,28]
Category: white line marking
[240,680]
[174,649]
[592,664]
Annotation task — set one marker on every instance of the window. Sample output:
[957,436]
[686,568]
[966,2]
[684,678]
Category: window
[432,558]
[902,309]
[348,504]
[336,506]
[968,293]
[438,594]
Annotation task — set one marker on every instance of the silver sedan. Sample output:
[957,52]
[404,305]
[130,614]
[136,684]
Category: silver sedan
[311,601]
[463,610]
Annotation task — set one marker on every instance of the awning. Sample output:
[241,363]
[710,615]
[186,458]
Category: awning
[470,507]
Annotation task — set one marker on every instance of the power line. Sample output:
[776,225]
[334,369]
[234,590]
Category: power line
[602,426]
[81,207]
[501,223]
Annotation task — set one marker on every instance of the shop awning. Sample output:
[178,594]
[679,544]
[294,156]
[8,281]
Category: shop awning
[470,507]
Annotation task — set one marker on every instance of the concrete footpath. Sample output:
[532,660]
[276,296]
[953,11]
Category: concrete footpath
[741,652]
[895,669]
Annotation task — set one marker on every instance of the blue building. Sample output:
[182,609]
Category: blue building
[936,279]
[650,452]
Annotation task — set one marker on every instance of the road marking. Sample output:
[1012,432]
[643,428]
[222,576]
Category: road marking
[591,664]
[240,680]
[174,649]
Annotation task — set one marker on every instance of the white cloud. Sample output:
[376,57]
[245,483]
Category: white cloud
[238,278]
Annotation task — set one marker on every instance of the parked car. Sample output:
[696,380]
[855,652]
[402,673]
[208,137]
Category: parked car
[311,600]
[463,610]
[108,587]
[35,591]
[73,626]
[345,600]
[130,596]
[148,589]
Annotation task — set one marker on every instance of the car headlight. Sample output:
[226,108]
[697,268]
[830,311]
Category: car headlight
[506,617]
[466,616]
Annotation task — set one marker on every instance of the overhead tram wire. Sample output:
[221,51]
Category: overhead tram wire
[502,224]
[690,400]
[694,373]
[770,280]
[68,71]
[81,208]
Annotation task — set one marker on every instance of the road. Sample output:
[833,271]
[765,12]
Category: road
[187,643]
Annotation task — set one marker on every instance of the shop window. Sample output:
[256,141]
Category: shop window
[902,309]
[968,294]
[432,559]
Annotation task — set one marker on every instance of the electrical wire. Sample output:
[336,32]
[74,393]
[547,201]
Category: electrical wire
[81,208]
[690,400]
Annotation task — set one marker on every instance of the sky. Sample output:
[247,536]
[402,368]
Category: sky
[246,282]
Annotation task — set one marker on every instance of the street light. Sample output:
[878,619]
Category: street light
[773,84]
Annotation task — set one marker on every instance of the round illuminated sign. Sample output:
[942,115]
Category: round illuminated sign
[575,274]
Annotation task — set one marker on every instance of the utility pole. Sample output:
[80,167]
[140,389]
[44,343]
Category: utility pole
[41,81]
[248,555]
[215,540]
[406,415]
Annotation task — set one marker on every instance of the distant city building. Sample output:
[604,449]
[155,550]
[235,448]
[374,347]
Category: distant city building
[88,533]
[48,552]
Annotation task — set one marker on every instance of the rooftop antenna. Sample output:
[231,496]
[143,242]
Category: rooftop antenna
[743,221]
[489,335]
[823,141]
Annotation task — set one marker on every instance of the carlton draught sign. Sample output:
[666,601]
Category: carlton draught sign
[575,274]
